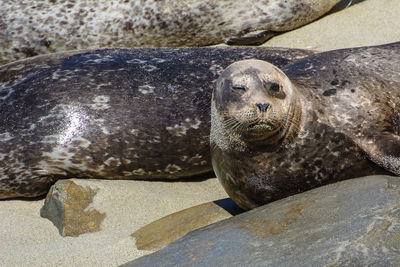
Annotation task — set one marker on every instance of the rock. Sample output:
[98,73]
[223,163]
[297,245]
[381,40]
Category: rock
[164,231]
[352,223]
[67,206]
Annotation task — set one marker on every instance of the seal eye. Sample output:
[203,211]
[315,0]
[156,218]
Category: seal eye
[239,88]
[274,87]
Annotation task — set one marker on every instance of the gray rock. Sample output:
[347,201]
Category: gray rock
[352,223]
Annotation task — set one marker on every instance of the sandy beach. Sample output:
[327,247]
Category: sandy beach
[30,240]
[371,22]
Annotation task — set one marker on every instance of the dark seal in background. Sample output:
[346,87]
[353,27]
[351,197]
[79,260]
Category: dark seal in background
[112,113]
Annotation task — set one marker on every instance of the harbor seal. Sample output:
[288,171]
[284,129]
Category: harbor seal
[112,113]
[328,117]
[29,28]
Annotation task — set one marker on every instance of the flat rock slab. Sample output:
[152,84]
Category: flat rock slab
[351,223]
[164,231]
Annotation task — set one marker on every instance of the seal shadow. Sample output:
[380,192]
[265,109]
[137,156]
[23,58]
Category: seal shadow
[342,5]
[229,205]
[30,199]
[196,178]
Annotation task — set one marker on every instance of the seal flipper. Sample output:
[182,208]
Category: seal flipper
[251,38]
[384,150]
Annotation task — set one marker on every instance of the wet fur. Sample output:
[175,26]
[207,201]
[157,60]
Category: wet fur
[111,113]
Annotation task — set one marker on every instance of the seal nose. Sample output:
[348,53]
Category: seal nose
[263,107]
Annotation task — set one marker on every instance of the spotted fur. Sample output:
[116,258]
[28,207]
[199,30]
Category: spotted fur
[29,28]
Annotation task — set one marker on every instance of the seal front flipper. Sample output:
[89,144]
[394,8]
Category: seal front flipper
[384,150]
[251,38]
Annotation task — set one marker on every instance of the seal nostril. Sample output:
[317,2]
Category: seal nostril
[263,107]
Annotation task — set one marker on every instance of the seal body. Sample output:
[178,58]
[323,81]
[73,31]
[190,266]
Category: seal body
[326,118]
[29,28]
[113,113]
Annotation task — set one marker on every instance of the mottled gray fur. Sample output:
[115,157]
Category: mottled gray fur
[29,28]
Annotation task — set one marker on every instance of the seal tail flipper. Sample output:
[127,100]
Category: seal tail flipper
[384,150]
[251,38]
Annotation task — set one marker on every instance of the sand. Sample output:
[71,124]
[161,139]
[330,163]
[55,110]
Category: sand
[26,239]
[371,22]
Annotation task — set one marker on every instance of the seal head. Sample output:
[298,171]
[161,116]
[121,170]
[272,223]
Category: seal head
[257,107]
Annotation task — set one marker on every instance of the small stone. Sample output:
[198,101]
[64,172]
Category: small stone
[67,206]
